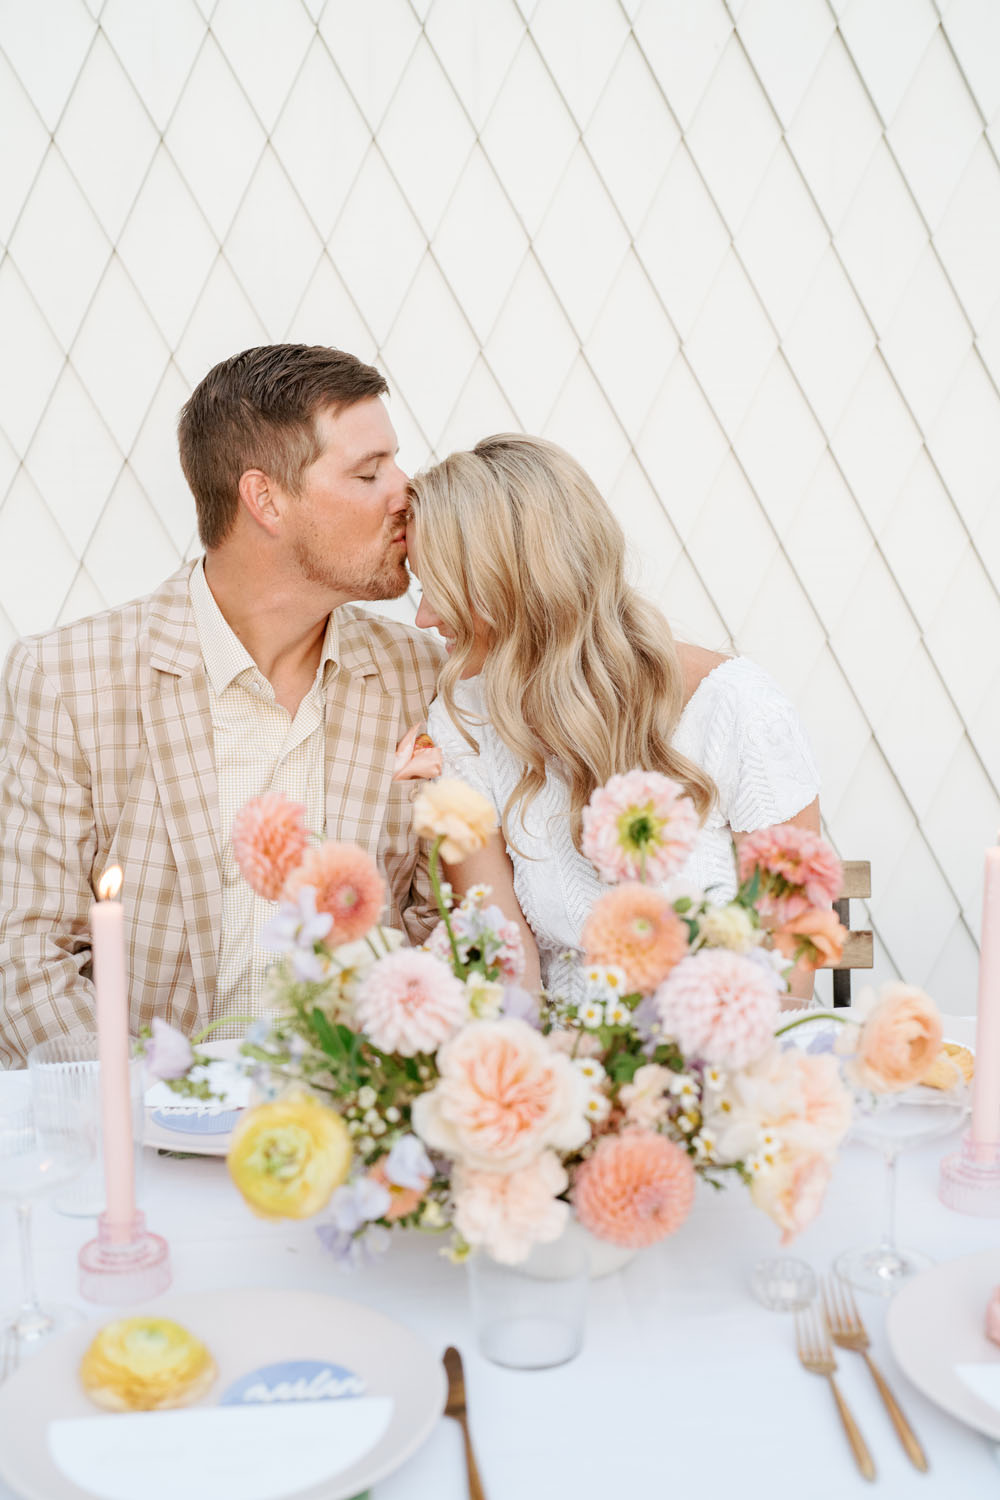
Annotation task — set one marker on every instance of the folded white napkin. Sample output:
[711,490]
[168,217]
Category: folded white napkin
[217,1452]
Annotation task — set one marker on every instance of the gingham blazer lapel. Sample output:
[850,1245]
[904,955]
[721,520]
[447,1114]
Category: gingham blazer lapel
[177,718]
[362,722]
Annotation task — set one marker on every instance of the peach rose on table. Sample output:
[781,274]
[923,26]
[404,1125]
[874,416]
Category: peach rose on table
[502,1097]
[455,813]
[799,1096]
[791,1192]
[899,1039]
[506,1213]
[812,938]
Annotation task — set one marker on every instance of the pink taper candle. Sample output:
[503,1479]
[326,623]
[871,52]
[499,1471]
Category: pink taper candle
[985,1127]
[107,926]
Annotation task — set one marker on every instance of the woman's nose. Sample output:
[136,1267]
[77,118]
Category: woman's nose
[426,618]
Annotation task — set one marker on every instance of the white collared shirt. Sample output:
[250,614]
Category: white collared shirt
[259,748]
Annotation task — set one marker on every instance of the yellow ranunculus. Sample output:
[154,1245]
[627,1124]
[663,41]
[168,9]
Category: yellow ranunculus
[146,1364]
[287,1157]
[454,812]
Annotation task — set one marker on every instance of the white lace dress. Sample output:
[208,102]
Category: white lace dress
[737,725]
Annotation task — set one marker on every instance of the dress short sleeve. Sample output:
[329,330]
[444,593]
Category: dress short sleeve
[459,758]
[746,734]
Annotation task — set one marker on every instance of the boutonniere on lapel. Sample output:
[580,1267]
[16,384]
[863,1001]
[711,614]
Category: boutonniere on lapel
[417,757]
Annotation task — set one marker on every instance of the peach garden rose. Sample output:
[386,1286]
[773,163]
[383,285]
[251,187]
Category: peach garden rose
[900,1038]
[502,1097]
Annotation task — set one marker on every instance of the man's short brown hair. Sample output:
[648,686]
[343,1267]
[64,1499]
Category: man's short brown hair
[256,411]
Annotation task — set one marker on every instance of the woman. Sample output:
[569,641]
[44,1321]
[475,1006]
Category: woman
[561,675]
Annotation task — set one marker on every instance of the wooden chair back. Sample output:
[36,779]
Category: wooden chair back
[858,948]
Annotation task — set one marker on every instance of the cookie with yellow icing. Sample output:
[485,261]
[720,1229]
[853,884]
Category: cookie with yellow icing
[146,1364]
[953,1064]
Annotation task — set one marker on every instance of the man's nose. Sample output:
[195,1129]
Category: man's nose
[400,497]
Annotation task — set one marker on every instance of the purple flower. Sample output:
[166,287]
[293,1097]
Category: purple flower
[354,1251]
[408,1165]
[168,1052]
[520,1004]
[296,929]
[357,1202]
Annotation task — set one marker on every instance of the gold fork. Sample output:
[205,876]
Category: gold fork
[848,1332]
[816,1354]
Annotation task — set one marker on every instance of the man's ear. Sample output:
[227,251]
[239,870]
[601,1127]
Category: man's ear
[259,498]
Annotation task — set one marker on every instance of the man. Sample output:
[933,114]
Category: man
[132,738]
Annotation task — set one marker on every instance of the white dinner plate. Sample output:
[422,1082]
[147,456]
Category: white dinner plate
[398,1390]
[937,1322]
[174,1123]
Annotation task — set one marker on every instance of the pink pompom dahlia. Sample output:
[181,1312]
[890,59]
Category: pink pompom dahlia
[410,1002]
[719,1006]
[797,867]
[637,1188]
[348,887]
[639,826]
[635,928]
[269,839]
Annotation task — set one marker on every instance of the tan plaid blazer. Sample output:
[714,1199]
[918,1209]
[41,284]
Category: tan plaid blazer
[106,758]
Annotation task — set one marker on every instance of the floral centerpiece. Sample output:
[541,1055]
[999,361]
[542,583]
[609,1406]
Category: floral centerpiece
[425,1088]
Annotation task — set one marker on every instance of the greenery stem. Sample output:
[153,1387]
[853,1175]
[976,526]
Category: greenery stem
[434,872]
[222,1021]
[814,1015]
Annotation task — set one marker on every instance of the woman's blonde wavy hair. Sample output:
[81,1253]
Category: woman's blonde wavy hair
[580,669]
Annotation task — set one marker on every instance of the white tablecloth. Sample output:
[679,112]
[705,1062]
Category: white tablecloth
[685,1384]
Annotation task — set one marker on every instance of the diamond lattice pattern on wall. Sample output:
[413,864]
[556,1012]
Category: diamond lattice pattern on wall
[741,258]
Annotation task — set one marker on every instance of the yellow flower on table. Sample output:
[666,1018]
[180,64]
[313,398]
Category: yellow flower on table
[287,1156]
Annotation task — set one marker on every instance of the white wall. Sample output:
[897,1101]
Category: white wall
[743,259]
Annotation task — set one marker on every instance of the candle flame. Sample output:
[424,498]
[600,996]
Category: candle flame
[109,884]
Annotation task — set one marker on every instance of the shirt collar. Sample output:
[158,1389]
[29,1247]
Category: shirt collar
[225,656]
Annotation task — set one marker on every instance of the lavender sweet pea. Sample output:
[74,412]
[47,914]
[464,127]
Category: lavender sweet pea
[168,1052]
[295,930]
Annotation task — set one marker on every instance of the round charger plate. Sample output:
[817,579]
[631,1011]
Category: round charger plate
[245,1330]
[935,1322]
[204,1137]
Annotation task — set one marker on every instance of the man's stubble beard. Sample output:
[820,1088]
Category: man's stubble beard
[388,581]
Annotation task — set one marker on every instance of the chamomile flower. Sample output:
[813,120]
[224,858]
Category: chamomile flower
[615,979]
[591,1069]
[684,1089]
[688,1123]
[475,895]
[713,1078]
[616,1013]
[705,1144]
[591,1015]
[758,1162]
[597,1107]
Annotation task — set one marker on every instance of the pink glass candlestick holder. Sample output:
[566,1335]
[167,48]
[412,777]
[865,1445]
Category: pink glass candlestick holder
[122,1267]
[970,1179]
